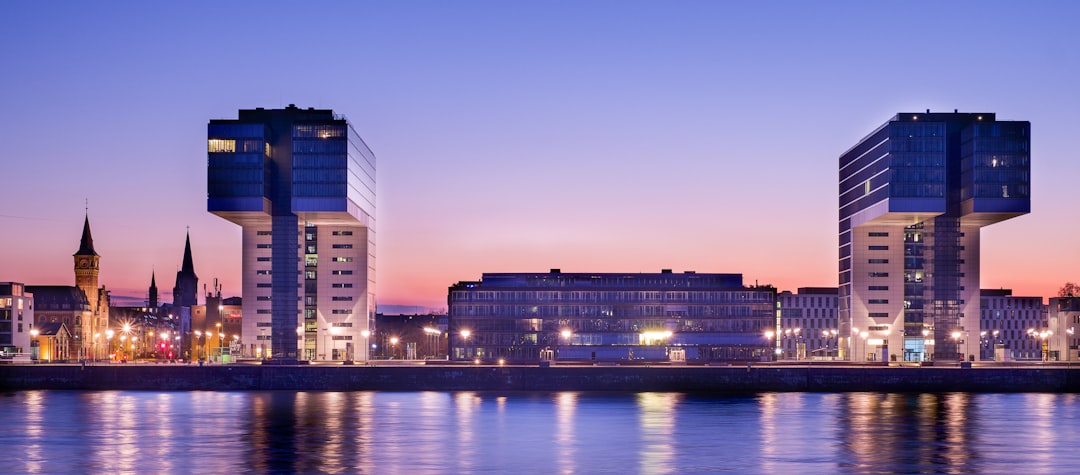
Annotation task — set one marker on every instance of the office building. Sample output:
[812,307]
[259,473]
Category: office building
[16,321]
[914,194]
[1010,327]
[808,324]
[528,317]
[301,184]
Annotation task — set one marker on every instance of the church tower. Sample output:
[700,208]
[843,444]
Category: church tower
[86,266]
[153,303]
[185,293]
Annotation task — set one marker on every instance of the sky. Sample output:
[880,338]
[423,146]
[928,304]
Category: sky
[591,136]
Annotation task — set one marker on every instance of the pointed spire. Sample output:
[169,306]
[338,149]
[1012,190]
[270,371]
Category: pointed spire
[188,267]
[152,301]
[86,246]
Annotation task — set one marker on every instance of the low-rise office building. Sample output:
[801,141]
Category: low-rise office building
[809,328]
[16,320]
[524,317]
[1010,328]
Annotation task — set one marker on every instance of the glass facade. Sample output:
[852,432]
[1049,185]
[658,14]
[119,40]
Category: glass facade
[611,317]
[924,183]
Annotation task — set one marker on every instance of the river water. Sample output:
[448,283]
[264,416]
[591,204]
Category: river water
[542,433]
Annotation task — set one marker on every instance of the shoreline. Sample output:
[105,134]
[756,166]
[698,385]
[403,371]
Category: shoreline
[692,379]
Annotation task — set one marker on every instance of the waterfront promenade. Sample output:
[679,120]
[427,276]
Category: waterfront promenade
[705,379]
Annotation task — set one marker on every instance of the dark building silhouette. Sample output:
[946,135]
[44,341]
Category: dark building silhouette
[185,293]
[153,294]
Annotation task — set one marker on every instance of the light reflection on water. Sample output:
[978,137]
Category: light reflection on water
[566,432]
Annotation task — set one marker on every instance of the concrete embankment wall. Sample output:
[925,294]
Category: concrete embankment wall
[522,378]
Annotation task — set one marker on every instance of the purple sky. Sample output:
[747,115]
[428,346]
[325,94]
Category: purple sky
[517,137]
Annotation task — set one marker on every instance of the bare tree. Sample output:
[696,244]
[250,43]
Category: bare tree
[1070,289]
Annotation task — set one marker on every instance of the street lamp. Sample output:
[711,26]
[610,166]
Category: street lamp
[956,338]
[325,346]
[333,337]
[769,334]
[108,341]
[863,335]
[366,334]
[465,350]
[565,335]
[393,346]
[34,343]
[198,352]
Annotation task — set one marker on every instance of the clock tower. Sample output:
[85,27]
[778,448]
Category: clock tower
[86,266]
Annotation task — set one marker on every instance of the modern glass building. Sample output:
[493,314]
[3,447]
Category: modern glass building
[301,183]
[526,317]
[913,197]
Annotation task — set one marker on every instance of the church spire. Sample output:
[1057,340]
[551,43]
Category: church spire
[188,266]
[153,303]
[86,246]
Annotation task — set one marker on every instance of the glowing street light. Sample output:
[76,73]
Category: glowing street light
[465,336]
[367,349]
[863,335]
[35,343]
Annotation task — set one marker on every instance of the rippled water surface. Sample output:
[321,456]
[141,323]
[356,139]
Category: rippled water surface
[566,432]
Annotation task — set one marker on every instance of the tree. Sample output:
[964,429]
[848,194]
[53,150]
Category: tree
[1070,289]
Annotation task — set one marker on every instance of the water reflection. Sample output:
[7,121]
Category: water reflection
[565,442]
[567,433]
[657,421]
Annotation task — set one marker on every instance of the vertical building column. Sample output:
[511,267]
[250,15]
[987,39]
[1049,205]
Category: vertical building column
[284,316]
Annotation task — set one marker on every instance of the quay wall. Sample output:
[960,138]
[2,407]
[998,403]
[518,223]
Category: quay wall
[242,377]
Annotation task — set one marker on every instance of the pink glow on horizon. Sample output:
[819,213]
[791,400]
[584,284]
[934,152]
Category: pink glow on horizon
[522,137]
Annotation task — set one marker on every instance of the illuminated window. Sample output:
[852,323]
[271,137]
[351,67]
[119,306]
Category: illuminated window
[221,145]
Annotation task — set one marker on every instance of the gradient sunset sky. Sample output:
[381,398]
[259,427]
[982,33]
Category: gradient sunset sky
[594,136]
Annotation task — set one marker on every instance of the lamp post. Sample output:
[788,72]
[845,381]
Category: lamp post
[108,342]
[565,339]
[925,337]
[198,353]
[1069,353]
[333,337]
[367,349]
[35,347]
[1048,344]
[465,346]
[94,356]
[769,334]
[220,335]
[325,346]
[956,338]
[863,335]
[393,346]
